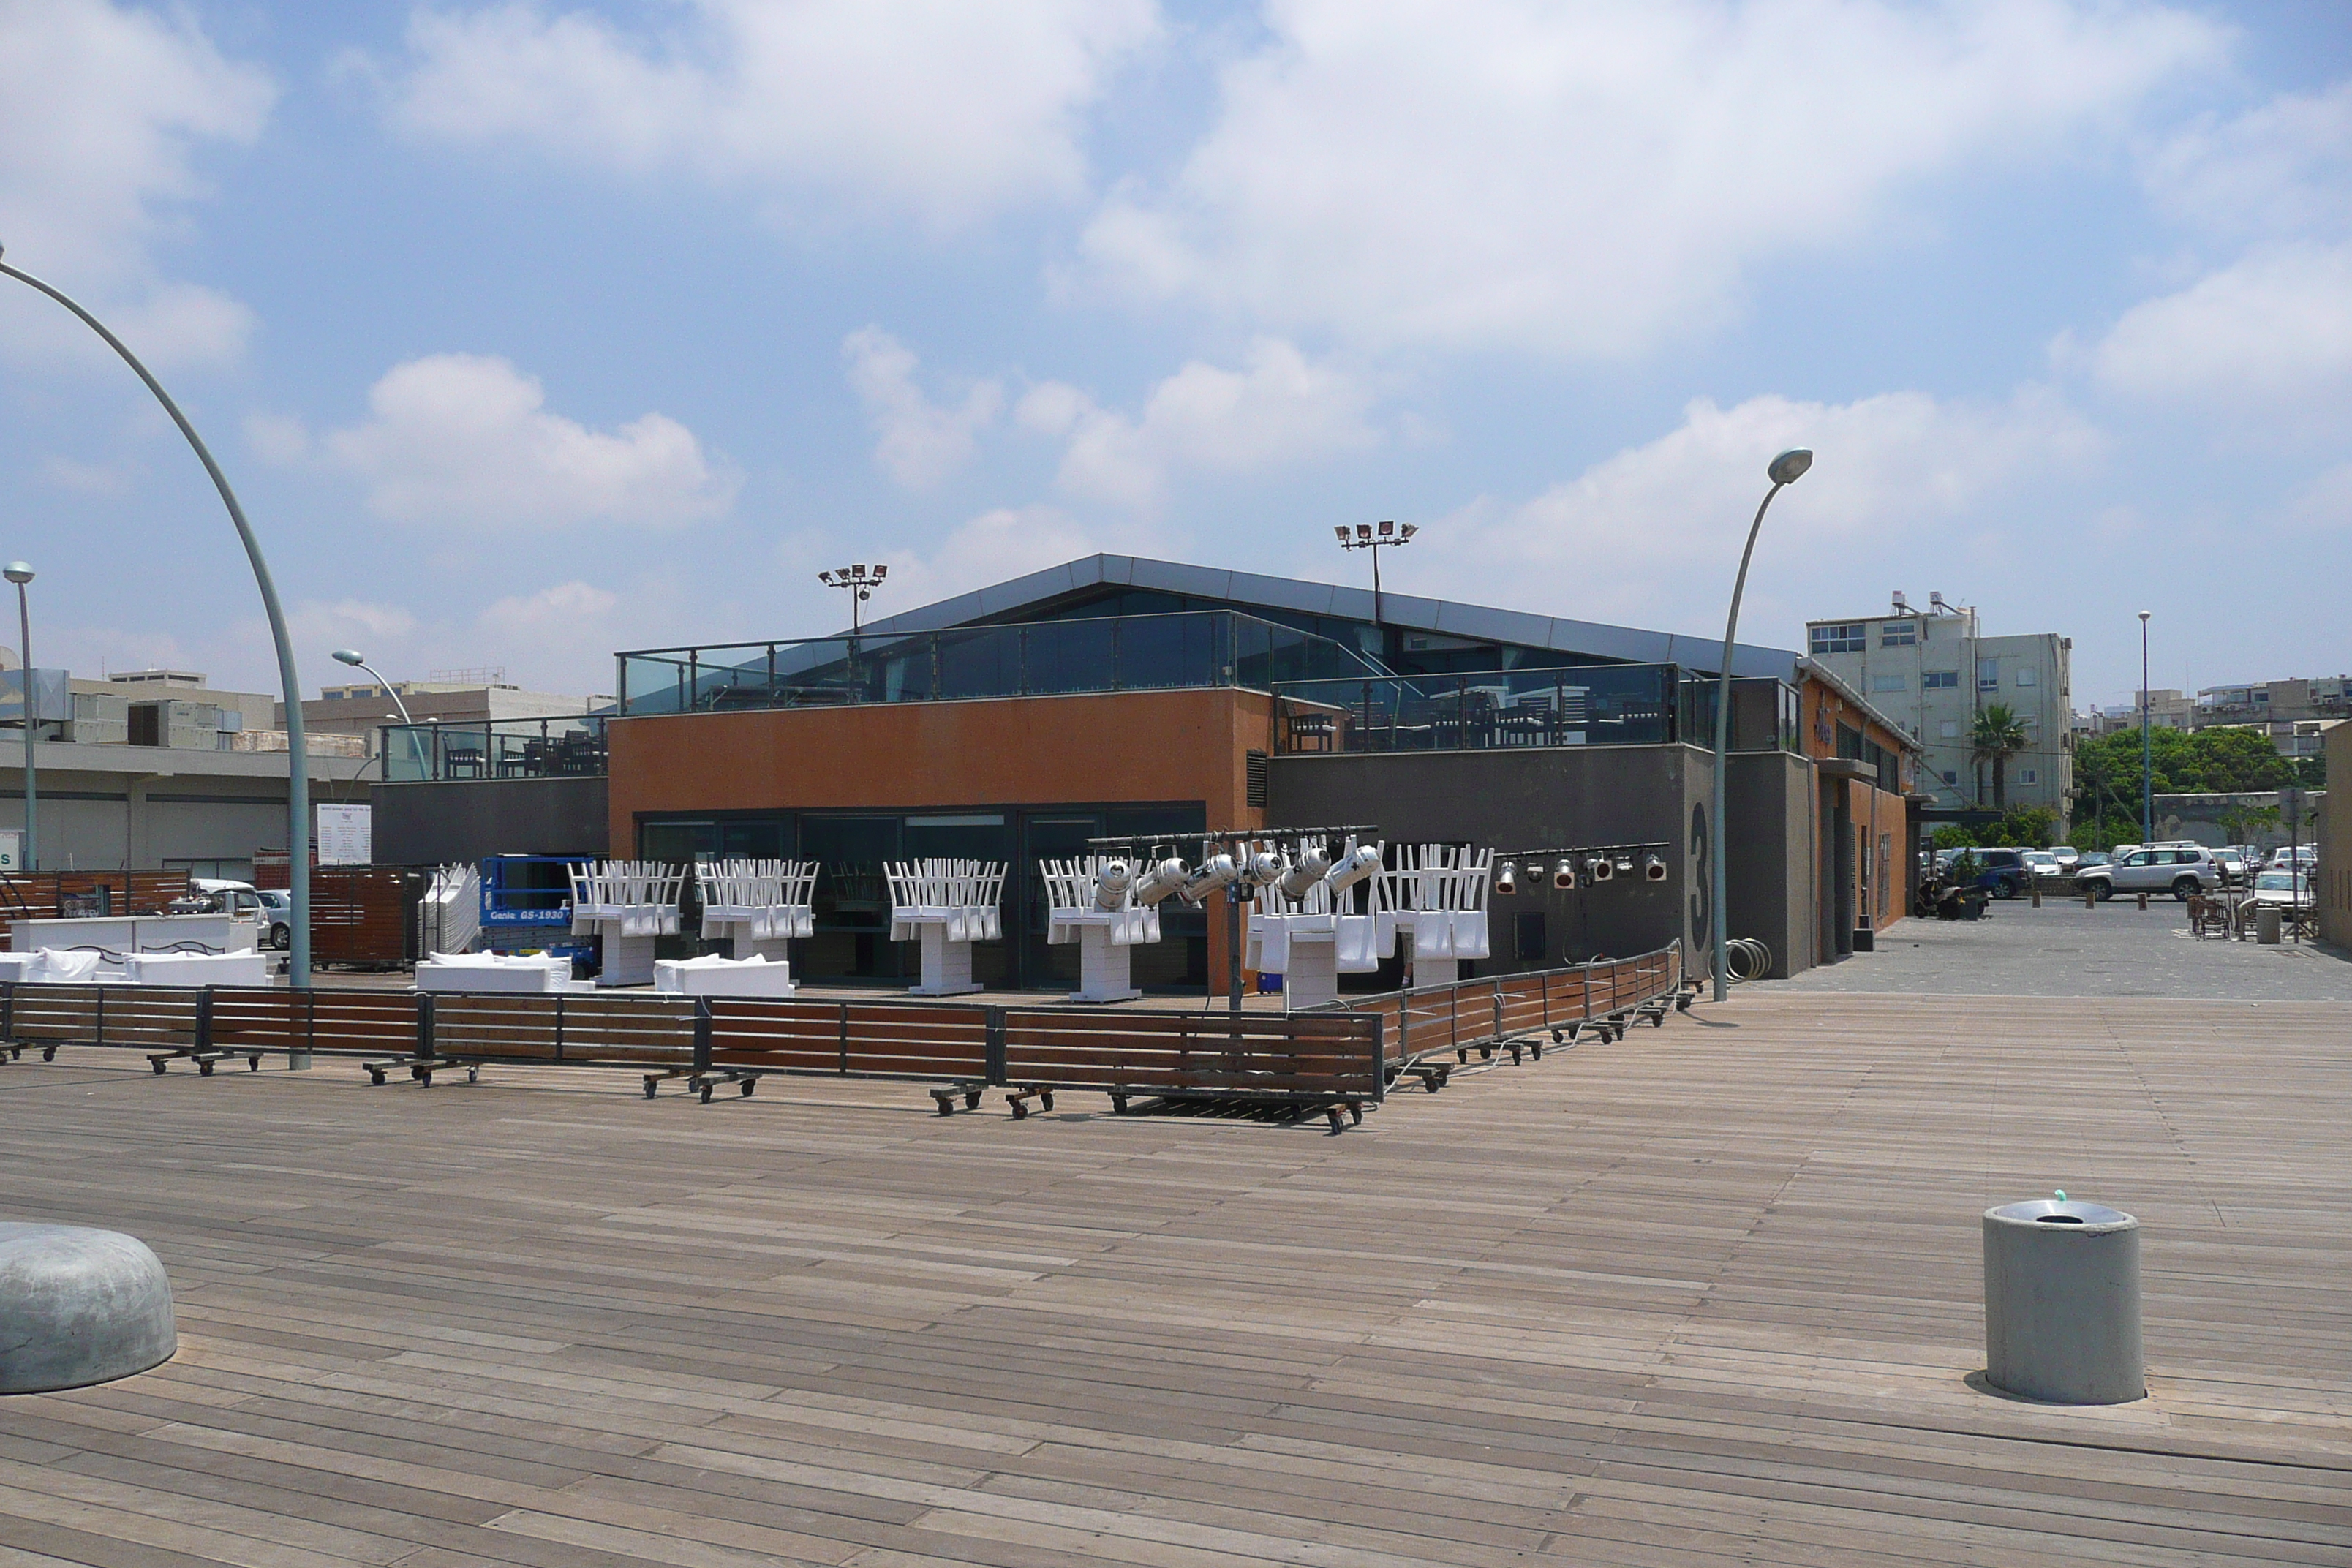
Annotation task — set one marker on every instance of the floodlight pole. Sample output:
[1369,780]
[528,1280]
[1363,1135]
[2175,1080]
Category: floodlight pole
[1785,470]
[298,774]
[2147,743]
[29,858]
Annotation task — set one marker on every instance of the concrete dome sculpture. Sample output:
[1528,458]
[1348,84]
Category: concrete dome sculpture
[79,1305]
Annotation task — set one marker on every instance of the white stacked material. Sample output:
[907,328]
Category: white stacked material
[1092,902]
[496,972]
[712,976]
[1432,901]
[247,968]
[450,913]
[947,905]
[626,905]
[56,966]
[1305,924]
[137,933]
[758,905]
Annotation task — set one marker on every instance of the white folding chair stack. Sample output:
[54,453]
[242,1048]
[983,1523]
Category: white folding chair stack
[626,905]
[1434,895]
[1104,929]
[758,905]
[451,910]
[947,905]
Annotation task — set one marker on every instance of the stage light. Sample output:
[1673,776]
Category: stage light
[1563,875]
[1353,868]
[1598,869]
[1157,883]
[1311,867]
[1264,869]
[1111,883]
[1214,872]
[1506,880]
[1654,868]
[1624,864]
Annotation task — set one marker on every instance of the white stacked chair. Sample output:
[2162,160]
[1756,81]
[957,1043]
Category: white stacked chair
[760,906]
[946,905]
[450,913]
[1432,907]
[1313,938]
[626,905]
[1105,924]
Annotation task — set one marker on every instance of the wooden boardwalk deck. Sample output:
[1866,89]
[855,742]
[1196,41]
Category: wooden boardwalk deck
[1708,1295]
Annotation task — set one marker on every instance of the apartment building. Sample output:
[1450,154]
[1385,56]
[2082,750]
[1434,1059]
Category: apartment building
[1932,671]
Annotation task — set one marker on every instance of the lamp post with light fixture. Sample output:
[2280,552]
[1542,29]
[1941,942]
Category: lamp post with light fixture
[298,768]
[1784,471]
[859,582]
[358,660]
[17,572]
[2147,744]
[1363,537]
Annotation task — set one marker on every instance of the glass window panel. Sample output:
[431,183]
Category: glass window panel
[1070,655]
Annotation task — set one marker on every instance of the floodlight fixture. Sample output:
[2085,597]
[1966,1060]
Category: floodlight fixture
[1654,868]
[1598,869]
[1506,879]
[1213,872]
[1624,864]
[858,581]
[1158,881]
[1112,880]
[1563,875]
[1387,536]
[1358,862]
[1266,868]
[1313,863]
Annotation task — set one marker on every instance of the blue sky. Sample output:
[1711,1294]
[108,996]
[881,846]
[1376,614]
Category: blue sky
[532,332]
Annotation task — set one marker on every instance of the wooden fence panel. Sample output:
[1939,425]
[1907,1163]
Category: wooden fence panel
[1296,1055]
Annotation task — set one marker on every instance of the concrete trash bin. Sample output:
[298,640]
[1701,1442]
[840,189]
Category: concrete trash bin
[79,1305]
[2062,1302]
[2270,930]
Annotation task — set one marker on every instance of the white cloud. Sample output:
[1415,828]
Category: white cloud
[103,109]
[1501,173]
[2270,336]
[1279,409]
[917,442]
[466,440]
[2282,169]
[996,545]
[558,638]
[1895,472]
[949,111]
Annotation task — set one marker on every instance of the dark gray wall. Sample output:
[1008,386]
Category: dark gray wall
[1515,799]
[1769,870]
[432,824]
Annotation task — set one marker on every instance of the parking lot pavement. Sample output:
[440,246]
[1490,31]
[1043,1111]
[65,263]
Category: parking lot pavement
[2064,950]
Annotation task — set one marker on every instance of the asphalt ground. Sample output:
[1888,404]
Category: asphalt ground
[2064,950]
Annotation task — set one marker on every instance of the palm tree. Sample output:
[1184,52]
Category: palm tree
[1999,735]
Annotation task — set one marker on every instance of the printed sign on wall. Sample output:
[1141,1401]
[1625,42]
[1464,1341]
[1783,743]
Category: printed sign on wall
[346,835]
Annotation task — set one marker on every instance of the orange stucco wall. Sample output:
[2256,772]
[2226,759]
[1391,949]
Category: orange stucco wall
[1822,710]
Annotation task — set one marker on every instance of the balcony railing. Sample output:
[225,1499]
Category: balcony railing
[1033,659]
[569,746]
[1585,705]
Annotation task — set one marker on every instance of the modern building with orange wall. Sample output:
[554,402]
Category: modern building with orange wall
[1868,770]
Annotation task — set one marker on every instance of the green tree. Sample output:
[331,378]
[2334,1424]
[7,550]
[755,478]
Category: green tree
[1952,835]
[1997,736]
[2027,827]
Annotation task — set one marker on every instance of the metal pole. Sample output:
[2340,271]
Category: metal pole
[1718,892]
[32,856]
[398,707]
[2147,744]
[297,769]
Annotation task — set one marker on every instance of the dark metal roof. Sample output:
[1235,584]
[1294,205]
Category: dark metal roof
[1475,623]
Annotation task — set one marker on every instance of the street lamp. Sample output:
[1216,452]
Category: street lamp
[2147,744]
[17,572]
[1783,471]
[859,582]
[354,658]
[298,774]
[1363,538]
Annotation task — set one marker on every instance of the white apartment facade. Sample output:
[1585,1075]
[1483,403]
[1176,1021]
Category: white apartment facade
[1933,671]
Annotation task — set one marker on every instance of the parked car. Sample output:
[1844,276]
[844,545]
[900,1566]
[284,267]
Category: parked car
[2306,855]
[2045,866]
[2289,889]
[2091,859]
[2005,874]
[2181,871]
[270,912]
[2068,855]
[277,911]
[2234,867]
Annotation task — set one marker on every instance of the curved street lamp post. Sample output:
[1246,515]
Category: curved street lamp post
[358,660]
[28,859]
[1784,471]
[298,774]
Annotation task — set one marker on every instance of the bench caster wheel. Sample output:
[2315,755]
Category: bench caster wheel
[1118,1105]
[1462,1054]
[50,1054]
[1516,1057]
[1434,1082]
[425,1081]
[1486,1053]
[1657,1020]
[473,1074]
[203,1069]
[1020,1109]
[158,1067]
[649,1088]
[1534,1048]
[945,1107]
[1046,1100]
[253,1064]
[705,1094]
[1336,1117]
[1355,1113]
[972,1100]
[749,1085]
[374,1078]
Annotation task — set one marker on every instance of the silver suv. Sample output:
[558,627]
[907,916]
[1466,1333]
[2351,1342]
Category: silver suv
[2182,870]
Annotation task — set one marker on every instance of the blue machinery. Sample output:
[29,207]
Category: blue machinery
[527,907]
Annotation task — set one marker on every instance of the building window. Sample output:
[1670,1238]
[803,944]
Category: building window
[1846,638]
[1889,683]
[1987,675]
[1898,633]
[1950,777]
[2027,776]
[1931,680]
[2027,677]
[1950,730]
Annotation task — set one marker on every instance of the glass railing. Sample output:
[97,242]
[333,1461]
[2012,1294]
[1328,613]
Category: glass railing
[1587,705]
[569,746]
[1036,658]
[1764,714]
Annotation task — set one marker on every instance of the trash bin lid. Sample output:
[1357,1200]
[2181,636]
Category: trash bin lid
[2067,1215]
